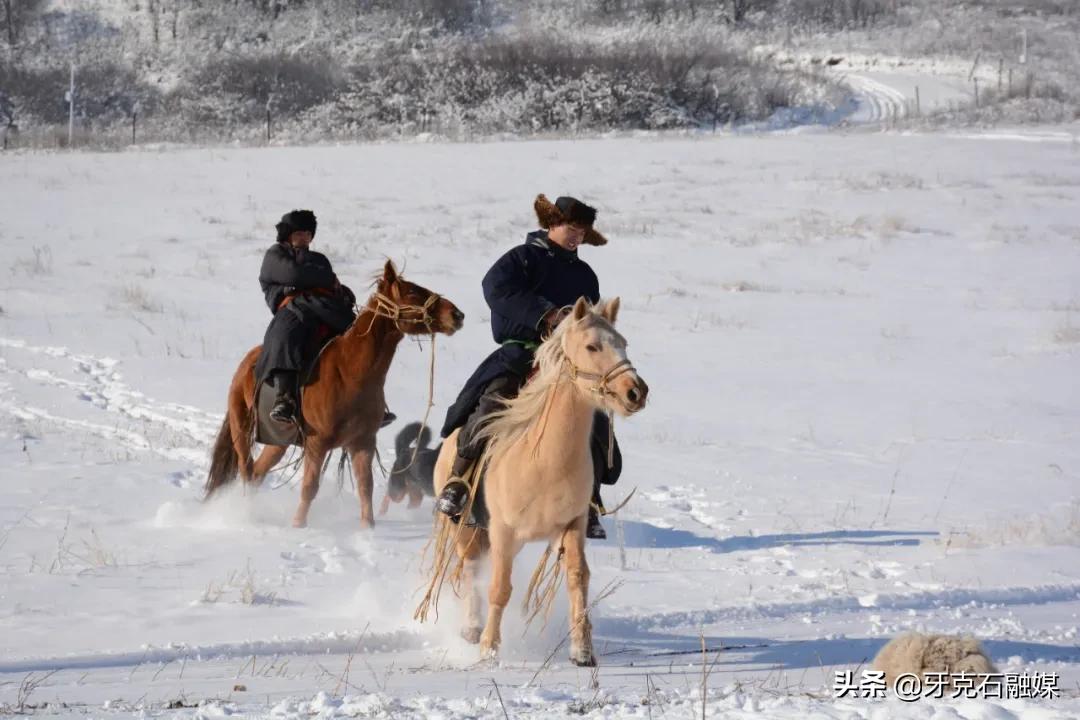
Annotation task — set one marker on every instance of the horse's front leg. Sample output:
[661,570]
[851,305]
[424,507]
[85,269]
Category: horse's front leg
[313,463]
[577,585]
[472,546]
[503,550]
[362,457]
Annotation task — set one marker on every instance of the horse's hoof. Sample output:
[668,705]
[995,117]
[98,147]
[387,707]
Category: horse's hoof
[488,651]
[471,635]
[583,659]
[298,523]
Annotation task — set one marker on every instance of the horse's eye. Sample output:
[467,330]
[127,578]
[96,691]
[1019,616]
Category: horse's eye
[592,348]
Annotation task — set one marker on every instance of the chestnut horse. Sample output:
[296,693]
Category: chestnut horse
[343,406]
[538,474]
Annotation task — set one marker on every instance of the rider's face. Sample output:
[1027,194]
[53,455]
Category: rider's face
[568,236]
[301,238]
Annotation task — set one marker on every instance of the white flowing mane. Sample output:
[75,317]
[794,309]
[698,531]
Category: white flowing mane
[506,426]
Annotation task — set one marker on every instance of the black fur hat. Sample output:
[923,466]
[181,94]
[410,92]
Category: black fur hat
[294,221]
[567,209]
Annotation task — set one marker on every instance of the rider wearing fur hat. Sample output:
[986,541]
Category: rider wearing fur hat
[529,290]
[305,296]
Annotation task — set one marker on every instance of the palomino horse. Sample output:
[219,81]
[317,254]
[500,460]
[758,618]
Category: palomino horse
[343,406]
[538,474]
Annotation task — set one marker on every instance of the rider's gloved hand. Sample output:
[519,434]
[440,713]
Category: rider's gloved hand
[553,318]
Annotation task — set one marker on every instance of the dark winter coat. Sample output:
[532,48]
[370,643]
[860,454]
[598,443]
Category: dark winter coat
[520,288]
[528,281]
[317,299]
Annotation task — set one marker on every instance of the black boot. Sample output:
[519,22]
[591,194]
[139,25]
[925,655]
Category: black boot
[593,529]
[284,410]
[387,418]
[455,496]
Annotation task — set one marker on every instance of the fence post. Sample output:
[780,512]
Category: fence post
[976,81]
[918,103]
[71,109]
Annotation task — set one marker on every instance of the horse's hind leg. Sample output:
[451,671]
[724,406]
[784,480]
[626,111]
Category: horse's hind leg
[472,546]
[362,457]
[313,463]
[269,457]
[503,550]
[577,585]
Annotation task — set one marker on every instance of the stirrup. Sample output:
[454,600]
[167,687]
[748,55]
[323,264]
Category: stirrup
[594,529]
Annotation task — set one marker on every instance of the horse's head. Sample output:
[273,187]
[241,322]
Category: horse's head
[415,309]
[596,354]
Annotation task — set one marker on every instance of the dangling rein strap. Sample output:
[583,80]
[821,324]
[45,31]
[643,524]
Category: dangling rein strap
[602,511]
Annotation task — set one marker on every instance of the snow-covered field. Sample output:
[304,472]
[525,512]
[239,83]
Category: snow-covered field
[865,418]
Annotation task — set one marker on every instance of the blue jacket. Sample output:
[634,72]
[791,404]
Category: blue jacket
[520,288]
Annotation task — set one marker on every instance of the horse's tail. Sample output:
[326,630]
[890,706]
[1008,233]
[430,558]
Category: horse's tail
[224,464]
[236,439]
[343,467]
[232,449]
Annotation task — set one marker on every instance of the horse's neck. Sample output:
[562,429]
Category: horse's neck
[565,424]
[369,345]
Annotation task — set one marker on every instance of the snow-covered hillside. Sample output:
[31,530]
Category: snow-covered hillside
[864,419]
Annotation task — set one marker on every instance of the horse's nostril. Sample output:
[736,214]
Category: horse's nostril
[458,315]
[633,395]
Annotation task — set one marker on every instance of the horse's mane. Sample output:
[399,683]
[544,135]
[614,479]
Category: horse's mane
[509,424]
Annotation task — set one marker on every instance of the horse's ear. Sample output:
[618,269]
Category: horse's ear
[581,308]
[390,273]
[611,310]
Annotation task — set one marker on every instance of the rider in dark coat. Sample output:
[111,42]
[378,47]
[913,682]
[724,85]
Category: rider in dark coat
[304,294]
[529,290]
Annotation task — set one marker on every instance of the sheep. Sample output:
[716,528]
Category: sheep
[920,654]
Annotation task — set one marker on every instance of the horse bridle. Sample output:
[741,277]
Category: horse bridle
[387,308]
[600,381]
[600,387]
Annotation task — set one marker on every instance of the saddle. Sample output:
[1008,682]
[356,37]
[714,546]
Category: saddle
[271,432]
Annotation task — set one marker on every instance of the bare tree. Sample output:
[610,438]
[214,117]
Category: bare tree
[7,117]
[17,14]
[154,8]
[610,8]
[739,9]
[656,9]
[175,18]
